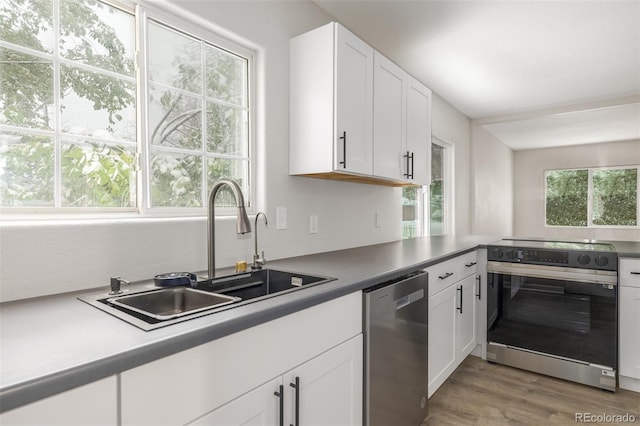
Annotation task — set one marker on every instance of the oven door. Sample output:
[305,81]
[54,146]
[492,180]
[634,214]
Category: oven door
[564,312]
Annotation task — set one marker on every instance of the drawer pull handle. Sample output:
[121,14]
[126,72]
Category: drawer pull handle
[635,273]
[469,265]
[445,276]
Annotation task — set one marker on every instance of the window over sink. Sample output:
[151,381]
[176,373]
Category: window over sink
[88,126]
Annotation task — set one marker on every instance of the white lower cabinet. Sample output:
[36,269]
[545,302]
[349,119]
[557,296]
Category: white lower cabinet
[323,391]
[232,380]
[452,316]
[629,324]
[92,404]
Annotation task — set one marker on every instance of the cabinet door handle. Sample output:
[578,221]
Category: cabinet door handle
[296,386]
[479,293]
[635,273]
[460,290]
[280,395]
[343,138]
[445,276]
[406,165]
[469,265]
[412,166]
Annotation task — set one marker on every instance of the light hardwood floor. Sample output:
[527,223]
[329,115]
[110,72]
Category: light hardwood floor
[480,393]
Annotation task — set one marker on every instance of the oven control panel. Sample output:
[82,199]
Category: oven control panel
[584,259]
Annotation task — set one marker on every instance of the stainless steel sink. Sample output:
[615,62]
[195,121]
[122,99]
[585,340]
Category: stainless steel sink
[171,303]
[149,307]
[261,283]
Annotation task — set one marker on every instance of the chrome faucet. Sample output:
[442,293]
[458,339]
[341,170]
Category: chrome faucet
[242,225]
[258,262]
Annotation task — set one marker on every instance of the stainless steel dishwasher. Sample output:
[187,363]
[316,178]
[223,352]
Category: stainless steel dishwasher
[395,352]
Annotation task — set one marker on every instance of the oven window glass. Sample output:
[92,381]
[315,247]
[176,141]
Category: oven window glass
[567,319]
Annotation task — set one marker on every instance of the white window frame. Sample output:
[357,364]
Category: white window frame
[448,214]
[590,224]
[181,20]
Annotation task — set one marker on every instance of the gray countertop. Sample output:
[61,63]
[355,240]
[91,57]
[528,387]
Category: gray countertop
[53,344]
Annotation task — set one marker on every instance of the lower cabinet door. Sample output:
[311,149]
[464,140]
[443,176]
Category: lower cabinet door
[327,390]
[260,407]
[466,327]
[89,405]
[442,336]
[629,325]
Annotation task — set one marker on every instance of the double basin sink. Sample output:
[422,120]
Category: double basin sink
[158,307]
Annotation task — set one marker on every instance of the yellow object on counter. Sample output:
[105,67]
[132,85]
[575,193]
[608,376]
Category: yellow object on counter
[241,266]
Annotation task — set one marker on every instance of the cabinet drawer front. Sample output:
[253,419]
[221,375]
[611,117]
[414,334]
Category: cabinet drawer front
[214,373]
[442,275]
[629,272]
[468,264]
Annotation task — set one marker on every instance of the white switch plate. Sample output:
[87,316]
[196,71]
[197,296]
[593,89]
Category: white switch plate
[281,217]
[313,224]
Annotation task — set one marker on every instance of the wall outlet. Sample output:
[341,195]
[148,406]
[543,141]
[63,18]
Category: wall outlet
[281,217]
[313,224]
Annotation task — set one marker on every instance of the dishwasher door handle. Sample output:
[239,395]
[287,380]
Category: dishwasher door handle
[409,299]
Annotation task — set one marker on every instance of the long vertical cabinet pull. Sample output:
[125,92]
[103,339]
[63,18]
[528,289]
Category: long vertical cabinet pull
[343,138]
[296,386]
[280,395]
[407,174]
[460,290]
[479,293]
[411,176]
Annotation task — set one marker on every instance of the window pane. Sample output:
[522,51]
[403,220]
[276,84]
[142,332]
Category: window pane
[174,59]
[96,34]
[218,168]
[174,119]
[97,105]
[225,129]
[411,222]
[26,170]
[26,90]
[176,180]
[98,175]
[226,76]
[27,23]
[567,197]
[436,191]
[615,197]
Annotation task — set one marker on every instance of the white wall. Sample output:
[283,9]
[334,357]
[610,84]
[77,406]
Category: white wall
[492,185]
[529,168]
[51,257]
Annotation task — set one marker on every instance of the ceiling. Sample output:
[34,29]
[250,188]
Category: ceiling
[534,73]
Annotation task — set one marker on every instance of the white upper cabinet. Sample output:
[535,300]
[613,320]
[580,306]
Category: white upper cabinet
[354,97]
[331,103]
[418,127]
[354,114]
[389,117]
[401,124]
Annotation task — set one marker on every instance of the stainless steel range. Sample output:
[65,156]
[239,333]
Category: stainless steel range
[552,309]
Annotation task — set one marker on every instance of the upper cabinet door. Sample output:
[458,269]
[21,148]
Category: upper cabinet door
[390,159]
[419,131]
[353,103]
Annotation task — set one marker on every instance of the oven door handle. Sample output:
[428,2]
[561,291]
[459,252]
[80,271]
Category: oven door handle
[554,272]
